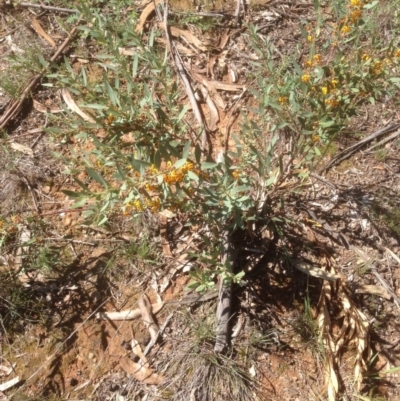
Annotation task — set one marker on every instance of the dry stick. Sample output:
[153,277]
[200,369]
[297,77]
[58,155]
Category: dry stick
[14,109]
[224,301]
[51,8]
[352,149]
[185,79]
[383,141]
[147,317]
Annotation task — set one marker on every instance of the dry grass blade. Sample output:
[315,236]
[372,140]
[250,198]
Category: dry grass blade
[11,383]
[214,116]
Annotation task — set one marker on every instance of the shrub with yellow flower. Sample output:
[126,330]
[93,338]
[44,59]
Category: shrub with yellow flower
[282,100]
[317,58]
[345,29]
[235,174]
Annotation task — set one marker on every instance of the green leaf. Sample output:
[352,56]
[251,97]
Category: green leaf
[97,177]
[71,194]
[240,188]
[372,5]
[197,153]
[179,163]
[183,112]
[138,165]
[192,176]
[186,150]
[121,172]
[208,165]
[96,106]
[157,159]
[394,79]
[326,124]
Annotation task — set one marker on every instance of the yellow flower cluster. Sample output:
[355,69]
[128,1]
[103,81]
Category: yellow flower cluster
[177,175]
[324,90]
[309,38]
[345,29]
[356,3]
[154,205]
[355,16]
[317,59]
[305,78]
[235,174]
[135,205]
[153,169]
[377,68]
[282,100]
[150,187]
[332,102]
[397,53]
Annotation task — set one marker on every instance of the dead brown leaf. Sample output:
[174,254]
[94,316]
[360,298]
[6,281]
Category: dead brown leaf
[44,109]
[374,290]
[140,372]
[41,32]
[146,14]
[192,39]
[74,107]
[21,148]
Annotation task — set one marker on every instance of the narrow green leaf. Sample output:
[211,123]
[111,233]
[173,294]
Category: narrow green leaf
[197,153]
[186,150]
[208,165]
[96,176]
[179,163]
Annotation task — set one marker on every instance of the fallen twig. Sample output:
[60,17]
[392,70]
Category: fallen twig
[15,106]
[51,8]
[383,141]
[353,148]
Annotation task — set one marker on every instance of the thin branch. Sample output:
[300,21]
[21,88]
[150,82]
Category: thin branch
[15,106]
[51,8]
[353,148]
[383,141]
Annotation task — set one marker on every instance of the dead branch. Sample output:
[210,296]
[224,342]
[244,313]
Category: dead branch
[15,106]
[51,8]
[353,148]
[127,314]
[224,301]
